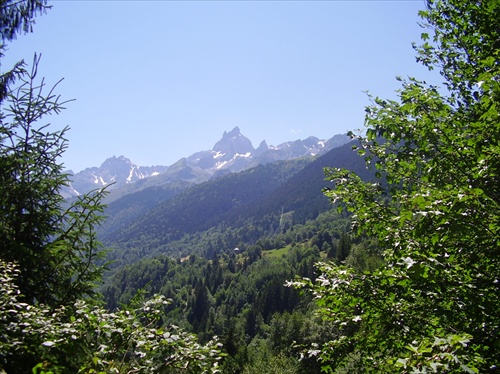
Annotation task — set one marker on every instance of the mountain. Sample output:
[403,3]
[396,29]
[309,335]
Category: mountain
[235,152]
[262,195]
[117,171]
[199,207]
[231,154]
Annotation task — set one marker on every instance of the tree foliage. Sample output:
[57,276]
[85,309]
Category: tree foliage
[54,245]
[84,338]
[241,297]
[18,16]
[433,306]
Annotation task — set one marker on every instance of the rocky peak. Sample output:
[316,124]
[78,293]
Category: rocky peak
[233,143]
[261,149]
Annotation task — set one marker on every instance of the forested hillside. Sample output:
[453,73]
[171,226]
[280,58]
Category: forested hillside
[236,210]
[201,207]
[239,295]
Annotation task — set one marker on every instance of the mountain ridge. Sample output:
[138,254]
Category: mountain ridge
[232,153]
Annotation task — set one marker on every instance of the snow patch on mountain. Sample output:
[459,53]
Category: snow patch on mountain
[220,165]
[218,154]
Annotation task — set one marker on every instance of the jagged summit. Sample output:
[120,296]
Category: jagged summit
[261,149]
[231,134]
[233,142]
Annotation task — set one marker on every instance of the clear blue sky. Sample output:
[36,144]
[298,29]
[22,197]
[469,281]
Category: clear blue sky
[159,80]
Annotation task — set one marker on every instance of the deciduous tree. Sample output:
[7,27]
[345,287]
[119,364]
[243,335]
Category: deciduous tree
[433,306]
[85,338]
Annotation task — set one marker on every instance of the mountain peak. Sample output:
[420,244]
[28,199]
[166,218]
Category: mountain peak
[261,149]
[122,160]
[233,142]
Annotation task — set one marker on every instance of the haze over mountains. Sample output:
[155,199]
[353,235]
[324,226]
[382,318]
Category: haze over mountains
[231,154]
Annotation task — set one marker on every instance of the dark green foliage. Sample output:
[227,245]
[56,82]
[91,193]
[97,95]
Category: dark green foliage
[343,248]
[50,257]
[262,360]
[199,306]
[84,338]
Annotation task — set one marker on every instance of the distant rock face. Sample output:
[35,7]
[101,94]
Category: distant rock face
[233,153]
[261,149]
[233,143]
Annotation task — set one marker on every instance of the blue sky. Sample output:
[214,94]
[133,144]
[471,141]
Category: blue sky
[159,80]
